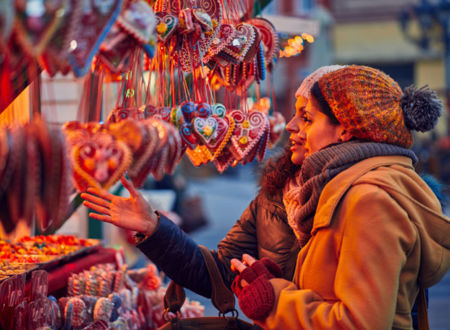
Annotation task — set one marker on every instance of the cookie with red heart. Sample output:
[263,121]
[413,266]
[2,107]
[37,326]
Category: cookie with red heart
[100,161]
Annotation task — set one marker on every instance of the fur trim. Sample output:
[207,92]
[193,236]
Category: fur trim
[276,171]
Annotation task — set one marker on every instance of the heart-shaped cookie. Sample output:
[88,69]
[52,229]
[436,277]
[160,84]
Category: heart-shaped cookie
[224,160]
[36,22]
[203,18]
[138,20]
[217,150]
[119,114]
[175,149]
[224,36]
[161,113]
[204,110]
[269,37]
[189,111]
[117,59]
[56,171]
[90,26]
[140,168]
[277,126]
[219,110]
[188,136]
[166,24]
[206,130]
[207,18]
[249,128]
[54,58]
[243,40]
[100,161]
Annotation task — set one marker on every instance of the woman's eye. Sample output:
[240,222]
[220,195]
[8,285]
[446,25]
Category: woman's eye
[306,119]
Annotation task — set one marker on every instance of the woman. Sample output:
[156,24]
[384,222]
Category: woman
[373,231]
[262,231]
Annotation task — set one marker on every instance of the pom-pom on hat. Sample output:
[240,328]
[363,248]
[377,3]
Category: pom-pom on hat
[305,87]
[370,105]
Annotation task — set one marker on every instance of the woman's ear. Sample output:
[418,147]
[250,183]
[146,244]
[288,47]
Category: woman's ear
[345,136]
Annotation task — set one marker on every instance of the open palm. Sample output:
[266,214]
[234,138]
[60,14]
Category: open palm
[132,213]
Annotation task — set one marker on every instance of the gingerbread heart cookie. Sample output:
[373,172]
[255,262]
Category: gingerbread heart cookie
[138,20]
[249,128]
[99,162]
[242,42]
[91,24]
[166,24]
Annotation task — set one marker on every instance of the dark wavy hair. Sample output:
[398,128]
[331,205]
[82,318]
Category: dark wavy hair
[276,171]
[324,107]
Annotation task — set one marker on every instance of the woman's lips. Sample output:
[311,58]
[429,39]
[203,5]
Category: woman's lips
[295,145]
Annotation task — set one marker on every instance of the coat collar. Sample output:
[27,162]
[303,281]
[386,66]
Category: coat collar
[335,190]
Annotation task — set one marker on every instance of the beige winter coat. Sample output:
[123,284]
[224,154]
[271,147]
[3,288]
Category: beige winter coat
[378,234]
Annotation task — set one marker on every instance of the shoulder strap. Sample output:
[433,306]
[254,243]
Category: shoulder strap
[174,297]
[422,313]
[221,296]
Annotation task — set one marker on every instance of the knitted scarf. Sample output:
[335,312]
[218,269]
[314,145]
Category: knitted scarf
[301,193]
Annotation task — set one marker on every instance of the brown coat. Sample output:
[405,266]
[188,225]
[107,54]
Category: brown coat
[378,233]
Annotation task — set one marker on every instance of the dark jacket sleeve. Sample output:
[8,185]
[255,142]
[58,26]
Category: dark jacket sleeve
[175,253]
[179,257]
[240,239]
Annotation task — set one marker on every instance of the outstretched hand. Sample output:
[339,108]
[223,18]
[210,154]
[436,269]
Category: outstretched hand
[132,213]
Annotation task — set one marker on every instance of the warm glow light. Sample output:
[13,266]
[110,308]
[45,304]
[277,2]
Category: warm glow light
[295,45]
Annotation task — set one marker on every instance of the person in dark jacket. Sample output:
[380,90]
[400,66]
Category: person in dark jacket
[262,231]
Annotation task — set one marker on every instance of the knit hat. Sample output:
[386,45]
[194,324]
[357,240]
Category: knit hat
[371,106]
[305,87]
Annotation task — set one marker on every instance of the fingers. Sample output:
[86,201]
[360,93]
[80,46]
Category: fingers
[237,265]
[97,208]
[101,193]
[96,200]
[273,267]
[248,259]
[129,186]
[101,217]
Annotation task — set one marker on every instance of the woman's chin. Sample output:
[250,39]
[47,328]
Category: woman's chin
[297,158]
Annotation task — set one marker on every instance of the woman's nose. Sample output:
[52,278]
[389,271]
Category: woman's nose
[292,126]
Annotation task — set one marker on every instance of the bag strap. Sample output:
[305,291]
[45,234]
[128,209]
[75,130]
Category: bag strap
[174,297]
[422,313]
[221,296]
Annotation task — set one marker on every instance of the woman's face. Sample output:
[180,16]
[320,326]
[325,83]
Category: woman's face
[313,127]
[296,129]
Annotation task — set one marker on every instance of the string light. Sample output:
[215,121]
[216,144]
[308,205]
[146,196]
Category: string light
[295,45]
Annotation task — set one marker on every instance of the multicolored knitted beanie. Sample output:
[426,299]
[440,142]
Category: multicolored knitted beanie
[305,87]
[371,105]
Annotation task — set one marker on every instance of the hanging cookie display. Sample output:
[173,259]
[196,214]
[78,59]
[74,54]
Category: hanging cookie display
[91,24]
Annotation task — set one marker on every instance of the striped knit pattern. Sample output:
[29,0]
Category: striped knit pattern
[301,194]
[367,102]
[305,88]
